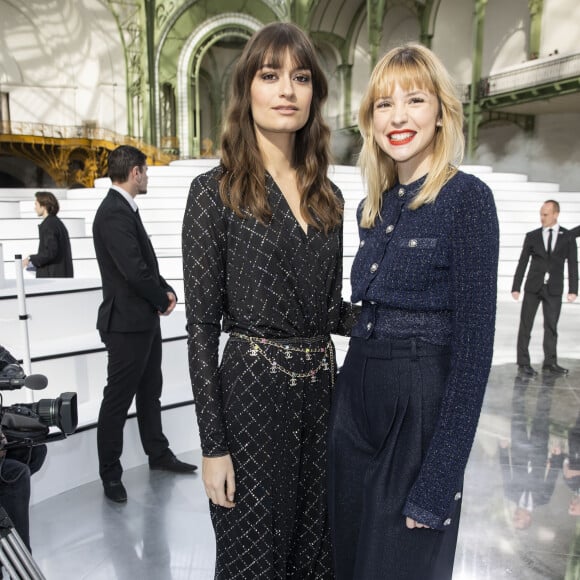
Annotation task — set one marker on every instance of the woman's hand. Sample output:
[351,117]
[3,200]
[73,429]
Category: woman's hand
[219,480]
[411,524]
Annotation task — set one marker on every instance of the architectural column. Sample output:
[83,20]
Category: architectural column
[536,11]
[150,48]
[477,50]
[375,17]
[424,16]
[345,75]
[130,19]
[300,13]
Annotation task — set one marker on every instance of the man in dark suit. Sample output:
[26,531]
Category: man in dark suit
[54,256]
[134,296]
[549,247]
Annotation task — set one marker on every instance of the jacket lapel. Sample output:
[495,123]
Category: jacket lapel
[540,241]
[559,238]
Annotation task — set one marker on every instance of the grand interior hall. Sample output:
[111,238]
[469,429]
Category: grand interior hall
[80,77]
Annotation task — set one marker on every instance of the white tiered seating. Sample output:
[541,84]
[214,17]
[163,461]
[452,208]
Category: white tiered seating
[65,344]
[518,201]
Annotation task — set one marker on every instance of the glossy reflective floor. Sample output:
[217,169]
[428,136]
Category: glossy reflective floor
[527,442]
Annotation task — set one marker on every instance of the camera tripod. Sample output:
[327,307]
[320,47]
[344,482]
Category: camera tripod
[14,555]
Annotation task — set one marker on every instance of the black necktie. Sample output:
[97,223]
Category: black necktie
[550,242]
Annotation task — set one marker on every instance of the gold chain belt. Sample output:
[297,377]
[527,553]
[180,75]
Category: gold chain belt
[257,345]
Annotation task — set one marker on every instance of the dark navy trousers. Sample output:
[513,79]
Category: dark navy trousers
[384,414]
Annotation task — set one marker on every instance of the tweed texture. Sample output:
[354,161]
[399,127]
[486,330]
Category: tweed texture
[431,274]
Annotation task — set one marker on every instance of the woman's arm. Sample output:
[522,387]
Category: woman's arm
[473,278]
[204,264]
[347,312]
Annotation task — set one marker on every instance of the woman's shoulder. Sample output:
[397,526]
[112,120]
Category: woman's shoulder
[463,182]
[208,180]
[336,190]
[206,185]
[471,200]
[466,190]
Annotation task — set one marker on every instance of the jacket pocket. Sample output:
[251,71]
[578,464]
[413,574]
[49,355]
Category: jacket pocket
[411,266]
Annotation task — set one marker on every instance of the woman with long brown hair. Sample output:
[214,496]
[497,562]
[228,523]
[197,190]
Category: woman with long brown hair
[262,255]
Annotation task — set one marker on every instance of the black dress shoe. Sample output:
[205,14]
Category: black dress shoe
[171,463]
[556,369]
[527,370]
[115,491]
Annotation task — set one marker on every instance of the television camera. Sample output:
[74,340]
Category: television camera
[24,428]
[27,424]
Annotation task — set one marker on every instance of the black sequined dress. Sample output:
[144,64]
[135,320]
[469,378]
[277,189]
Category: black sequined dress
[277,291]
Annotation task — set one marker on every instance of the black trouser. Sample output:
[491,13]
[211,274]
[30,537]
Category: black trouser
[134,370]
[385,410]
[551,307]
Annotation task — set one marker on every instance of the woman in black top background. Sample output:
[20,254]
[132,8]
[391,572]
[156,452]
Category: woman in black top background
[262,253]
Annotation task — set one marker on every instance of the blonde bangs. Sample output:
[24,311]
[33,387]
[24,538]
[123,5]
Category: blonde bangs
[409,75]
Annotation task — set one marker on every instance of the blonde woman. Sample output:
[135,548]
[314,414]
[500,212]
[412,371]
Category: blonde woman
[410,392]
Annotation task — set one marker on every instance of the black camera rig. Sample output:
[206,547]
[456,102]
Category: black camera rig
[27,424]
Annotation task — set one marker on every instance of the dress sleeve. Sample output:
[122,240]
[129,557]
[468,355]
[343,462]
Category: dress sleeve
[473,279]
[348,316]
[347,313]
[204,274]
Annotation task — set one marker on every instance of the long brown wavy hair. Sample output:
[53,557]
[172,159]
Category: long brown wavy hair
[243,182]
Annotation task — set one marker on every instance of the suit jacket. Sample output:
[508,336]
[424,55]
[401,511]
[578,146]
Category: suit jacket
[534,248]
[54,257]
[133,290]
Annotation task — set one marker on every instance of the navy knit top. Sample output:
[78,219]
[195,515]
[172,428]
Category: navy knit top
[431,274]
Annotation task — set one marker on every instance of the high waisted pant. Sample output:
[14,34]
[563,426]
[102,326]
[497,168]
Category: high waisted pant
[384,414]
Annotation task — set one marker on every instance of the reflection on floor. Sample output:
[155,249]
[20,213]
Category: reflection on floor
[516,521]
[520,489]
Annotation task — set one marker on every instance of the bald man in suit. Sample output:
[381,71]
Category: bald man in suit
[547,249]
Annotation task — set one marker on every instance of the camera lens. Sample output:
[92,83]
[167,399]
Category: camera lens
[60,412]
[47,410]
